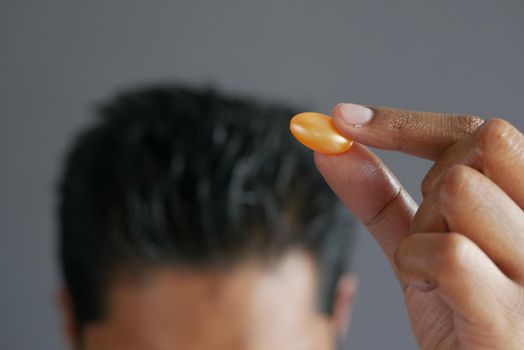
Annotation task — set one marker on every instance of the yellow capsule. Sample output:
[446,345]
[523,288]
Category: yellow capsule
[317,132]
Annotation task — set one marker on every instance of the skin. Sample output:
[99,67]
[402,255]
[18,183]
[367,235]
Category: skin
[254,306]
[459,256]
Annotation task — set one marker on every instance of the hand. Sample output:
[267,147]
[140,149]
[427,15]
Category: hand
[460,256]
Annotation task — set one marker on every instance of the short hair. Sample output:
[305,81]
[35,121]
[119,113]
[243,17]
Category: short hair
[193,178]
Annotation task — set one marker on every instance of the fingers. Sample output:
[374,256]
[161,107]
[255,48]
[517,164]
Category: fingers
[421,134]
[496,149]
[466,201]
[466,278]
[371,192]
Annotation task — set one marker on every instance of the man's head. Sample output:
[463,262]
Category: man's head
[192,220]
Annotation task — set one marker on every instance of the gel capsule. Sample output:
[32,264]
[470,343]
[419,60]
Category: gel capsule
[317,132]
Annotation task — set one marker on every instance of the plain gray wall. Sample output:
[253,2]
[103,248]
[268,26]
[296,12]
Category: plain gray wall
[57,58]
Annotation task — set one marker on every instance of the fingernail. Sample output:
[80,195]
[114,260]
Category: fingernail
[355,115]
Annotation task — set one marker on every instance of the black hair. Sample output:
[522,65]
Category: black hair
[194,178]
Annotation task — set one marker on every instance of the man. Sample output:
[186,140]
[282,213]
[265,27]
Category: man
[192,220]
[459,257]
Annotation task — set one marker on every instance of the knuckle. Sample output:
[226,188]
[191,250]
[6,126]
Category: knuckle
[457,180]
[453,253]
[466,125]
[401,122]
[496,134]
[381,213]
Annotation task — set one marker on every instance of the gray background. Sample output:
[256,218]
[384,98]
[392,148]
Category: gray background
[57,58]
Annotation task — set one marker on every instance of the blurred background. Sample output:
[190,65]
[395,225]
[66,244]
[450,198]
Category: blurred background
[57,58]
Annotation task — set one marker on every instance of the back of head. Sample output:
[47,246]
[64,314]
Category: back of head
[197,180]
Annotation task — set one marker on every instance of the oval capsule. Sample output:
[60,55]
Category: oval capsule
[316,131]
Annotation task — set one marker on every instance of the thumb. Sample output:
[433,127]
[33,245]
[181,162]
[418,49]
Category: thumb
[369,189]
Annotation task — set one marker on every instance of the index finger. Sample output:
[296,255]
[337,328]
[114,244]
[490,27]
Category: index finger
[422,134]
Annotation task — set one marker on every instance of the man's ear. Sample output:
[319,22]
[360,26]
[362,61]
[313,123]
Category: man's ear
[69,325]
[343,303]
